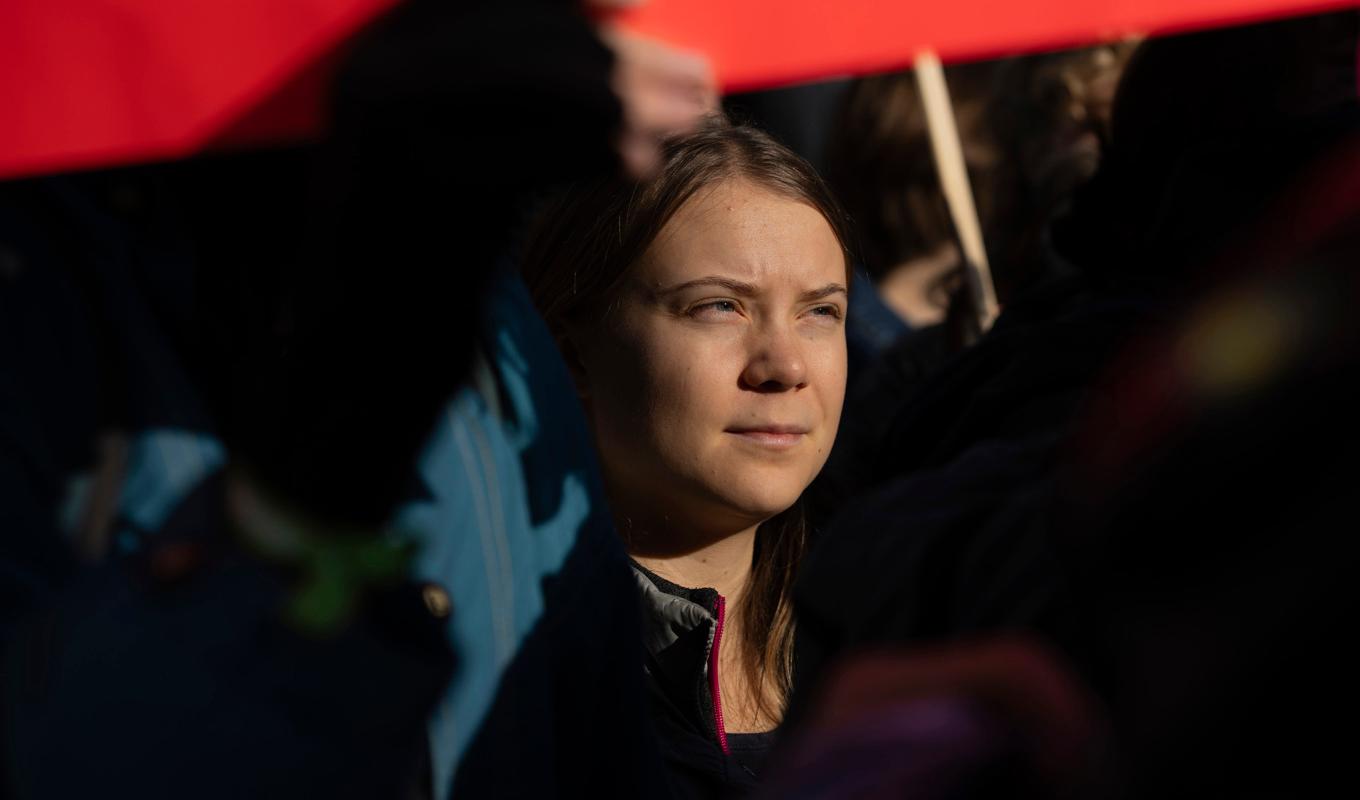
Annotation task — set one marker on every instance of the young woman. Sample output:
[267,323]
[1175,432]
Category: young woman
[702,314]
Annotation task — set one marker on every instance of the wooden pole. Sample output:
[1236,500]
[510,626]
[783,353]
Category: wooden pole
[953,172]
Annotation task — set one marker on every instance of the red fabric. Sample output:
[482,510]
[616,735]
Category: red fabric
[88,83]
[763,43]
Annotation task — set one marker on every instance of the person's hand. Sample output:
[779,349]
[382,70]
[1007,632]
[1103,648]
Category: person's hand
[664,92]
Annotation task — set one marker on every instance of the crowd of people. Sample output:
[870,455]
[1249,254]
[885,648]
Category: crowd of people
[549,428]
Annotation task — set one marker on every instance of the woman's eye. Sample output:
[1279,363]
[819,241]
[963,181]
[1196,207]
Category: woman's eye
[833,312]
[714,309]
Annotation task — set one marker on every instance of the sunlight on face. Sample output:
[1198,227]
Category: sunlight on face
[715,386]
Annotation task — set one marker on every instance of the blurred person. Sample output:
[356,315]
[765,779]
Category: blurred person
[1231,652]
[506,501]
[999,716]
[1033,130]
[252,578]
[702,315]
[162,659]
[1208,491]
[1199,144]
[879,163]
[1147,486]
[955,511]
[1051,116]
[96,314]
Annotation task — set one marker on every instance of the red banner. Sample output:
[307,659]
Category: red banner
[87,83]
[763,43]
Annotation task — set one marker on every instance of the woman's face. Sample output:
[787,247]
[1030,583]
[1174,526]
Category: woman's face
[715,385]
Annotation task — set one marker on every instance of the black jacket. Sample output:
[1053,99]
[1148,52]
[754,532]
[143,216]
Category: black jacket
[682,629]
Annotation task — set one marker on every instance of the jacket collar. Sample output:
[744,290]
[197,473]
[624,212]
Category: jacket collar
[678,631]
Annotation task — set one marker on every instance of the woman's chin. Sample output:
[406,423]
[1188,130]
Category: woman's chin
[757,506]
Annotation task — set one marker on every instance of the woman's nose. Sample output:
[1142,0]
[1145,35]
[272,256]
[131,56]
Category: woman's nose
[776,363]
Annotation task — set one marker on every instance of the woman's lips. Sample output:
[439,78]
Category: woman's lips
[776,436]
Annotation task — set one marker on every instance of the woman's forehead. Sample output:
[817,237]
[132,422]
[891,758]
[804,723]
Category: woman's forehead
[748,233]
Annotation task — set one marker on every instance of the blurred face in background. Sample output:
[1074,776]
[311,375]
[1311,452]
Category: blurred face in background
[715,382]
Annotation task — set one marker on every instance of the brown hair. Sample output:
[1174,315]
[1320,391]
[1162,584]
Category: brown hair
[880,165]
[578,254]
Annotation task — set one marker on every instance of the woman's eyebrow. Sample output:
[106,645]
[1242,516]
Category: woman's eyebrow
[825,291]
[734,286]
[749,290]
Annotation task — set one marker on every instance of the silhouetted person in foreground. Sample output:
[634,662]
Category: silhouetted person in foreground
[272,630]
[961,536]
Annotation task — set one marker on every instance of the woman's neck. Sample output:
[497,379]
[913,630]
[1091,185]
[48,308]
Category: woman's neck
[723,564]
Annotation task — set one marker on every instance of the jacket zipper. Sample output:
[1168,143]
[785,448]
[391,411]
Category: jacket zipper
[713,678]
